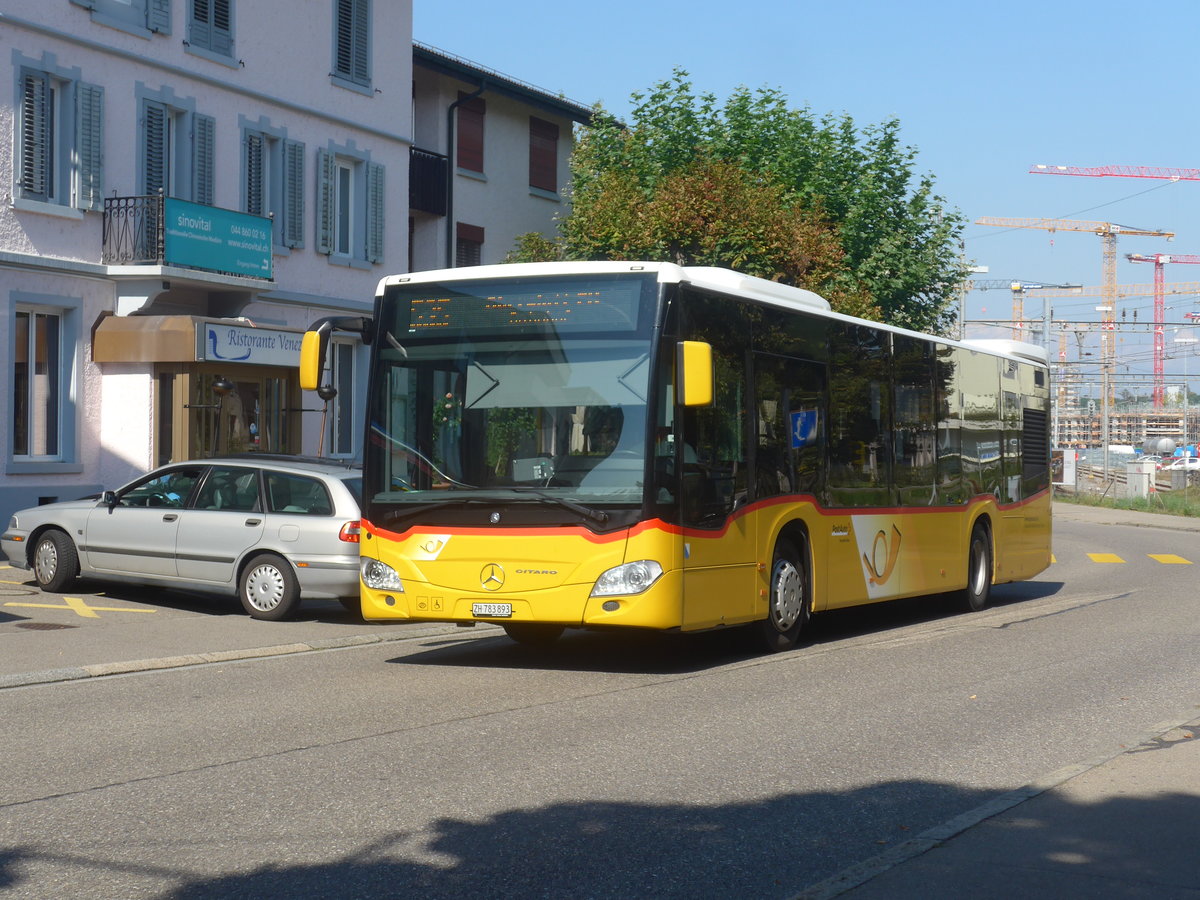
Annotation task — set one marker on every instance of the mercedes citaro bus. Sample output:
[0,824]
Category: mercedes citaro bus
[644,445]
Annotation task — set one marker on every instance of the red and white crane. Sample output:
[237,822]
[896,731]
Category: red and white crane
[1160,261]
[1119,172]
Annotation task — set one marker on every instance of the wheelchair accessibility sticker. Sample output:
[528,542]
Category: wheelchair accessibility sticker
[804,428]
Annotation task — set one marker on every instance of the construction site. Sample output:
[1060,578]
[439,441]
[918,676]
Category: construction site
[1107,395]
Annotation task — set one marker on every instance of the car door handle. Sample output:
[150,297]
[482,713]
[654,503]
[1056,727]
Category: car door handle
[253,522]
[170,517]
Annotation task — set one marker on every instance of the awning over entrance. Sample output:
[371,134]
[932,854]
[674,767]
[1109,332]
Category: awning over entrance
[145,339]
[193,339]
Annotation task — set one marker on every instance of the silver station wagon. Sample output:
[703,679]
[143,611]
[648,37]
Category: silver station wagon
[271,530]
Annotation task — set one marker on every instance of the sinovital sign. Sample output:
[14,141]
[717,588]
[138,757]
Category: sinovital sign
[216,240]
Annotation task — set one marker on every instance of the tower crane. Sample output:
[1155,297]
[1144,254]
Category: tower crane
[1018,289]
[1119,172]
[1160,261]
[1108,232]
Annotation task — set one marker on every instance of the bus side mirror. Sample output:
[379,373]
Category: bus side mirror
[694,377]
[312,358]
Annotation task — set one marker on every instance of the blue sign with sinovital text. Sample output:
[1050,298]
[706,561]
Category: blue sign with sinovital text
[215,239]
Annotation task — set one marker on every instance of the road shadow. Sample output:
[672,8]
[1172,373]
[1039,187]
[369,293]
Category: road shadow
[772,848]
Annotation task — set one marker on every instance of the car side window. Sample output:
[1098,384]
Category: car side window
[168,489]
[298,495]
[230,489]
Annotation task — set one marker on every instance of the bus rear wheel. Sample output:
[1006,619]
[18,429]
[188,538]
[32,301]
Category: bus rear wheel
[979,570]
[789,600]
[533,634]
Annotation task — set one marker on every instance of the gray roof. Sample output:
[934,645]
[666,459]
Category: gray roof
[455,66]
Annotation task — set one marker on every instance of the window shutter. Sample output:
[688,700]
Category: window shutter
[202,159]
[35,135]
[293,194]
[158,16]
[375,207]
[352,41]
[200,32]
[154,173]
[470,133]
[324,204]
[543,154]
[253,163]
[90,130]
[212,25]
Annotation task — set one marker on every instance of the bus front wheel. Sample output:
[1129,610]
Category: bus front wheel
[979,570]
[789,603]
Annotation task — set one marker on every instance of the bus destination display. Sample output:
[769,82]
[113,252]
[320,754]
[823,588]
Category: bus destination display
[608,307]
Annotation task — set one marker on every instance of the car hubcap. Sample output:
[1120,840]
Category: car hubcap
[264,588]
[787,595]
[45,561]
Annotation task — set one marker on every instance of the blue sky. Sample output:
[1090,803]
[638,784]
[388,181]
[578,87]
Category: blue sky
[983,91]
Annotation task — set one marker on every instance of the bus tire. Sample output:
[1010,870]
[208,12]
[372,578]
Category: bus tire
[789,602]
[979,570]
[533,634]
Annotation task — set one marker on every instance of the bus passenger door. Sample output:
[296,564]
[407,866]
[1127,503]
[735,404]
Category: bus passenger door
[719,539]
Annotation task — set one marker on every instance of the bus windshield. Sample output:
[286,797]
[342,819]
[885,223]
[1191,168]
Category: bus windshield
[539,412]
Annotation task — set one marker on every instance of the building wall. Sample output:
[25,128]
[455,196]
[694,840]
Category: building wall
[277,79]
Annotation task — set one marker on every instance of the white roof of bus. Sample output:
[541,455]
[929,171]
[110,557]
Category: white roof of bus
[724,280]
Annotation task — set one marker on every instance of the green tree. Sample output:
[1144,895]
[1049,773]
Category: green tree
[771,191]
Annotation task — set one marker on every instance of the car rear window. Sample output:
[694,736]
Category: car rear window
[298,495]
[354,486]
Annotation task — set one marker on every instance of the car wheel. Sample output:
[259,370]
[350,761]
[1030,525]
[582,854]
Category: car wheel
[979,570]
[789,603]
[268,588]
[55,561]
[533,634]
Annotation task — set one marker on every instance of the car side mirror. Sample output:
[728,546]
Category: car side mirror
[109,498]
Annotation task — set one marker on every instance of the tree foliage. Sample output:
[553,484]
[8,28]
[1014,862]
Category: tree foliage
[756,186]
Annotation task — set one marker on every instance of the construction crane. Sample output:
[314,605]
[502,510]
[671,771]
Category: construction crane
[1018,288]
[1119,172]
[1160,261]
[1108,232]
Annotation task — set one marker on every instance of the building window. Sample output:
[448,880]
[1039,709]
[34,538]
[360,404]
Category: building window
[273,185]
[469,142]
[351,42]
[177,152]
[350,207]
[37,385]
[468,249]
[210,26]
[61,140]
[341,408]
[543,155]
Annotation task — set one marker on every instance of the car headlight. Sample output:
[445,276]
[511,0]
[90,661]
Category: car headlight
[631,578]
[380,576]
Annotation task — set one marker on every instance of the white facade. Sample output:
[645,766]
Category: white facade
[500,200]
[250,107]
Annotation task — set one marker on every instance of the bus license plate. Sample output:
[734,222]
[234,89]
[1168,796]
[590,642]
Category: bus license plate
[492,610]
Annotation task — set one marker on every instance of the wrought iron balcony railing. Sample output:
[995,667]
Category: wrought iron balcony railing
[133,230]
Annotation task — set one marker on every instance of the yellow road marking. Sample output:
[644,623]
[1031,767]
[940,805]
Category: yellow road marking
[1105,558]
[81,608]
[1052,559]
[1169,559]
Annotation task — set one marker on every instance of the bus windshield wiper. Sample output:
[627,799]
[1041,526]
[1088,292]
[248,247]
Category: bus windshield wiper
[596,515]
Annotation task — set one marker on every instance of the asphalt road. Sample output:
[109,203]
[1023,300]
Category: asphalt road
[451,762]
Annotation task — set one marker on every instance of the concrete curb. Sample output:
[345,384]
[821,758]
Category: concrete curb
[102,670]
[859,874]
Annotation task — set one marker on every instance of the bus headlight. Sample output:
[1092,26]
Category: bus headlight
[631,578]
[380,576]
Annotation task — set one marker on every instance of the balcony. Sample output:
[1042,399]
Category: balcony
[165,231]
[427,174]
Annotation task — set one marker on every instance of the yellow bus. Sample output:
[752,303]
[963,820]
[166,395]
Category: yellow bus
[644,445]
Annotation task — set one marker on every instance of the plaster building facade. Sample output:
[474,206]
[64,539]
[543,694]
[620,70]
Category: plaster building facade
[186,185]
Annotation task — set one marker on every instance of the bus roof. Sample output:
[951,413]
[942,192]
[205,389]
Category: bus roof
[714,278]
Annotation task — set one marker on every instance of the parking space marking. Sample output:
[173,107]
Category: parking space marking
[1169,559]
[1105,558]
[81,608]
